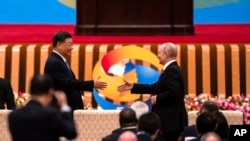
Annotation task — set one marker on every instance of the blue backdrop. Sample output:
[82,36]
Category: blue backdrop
[63,11]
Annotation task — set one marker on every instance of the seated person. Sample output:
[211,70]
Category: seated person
[6,95]
[190,131]
[37,121]
[148,127]
[205,123]
[127,120]
[222,129]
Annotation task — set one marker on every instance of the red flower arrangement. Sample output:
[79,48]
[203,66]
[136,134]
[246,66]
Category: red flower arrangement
[21,99]
[235,102]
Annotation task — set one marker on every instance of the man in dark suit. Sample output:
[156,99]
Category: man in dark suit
[148,127]
[208,107]
[127,120]
[167,94]
[37,120]
[6,95]
[205,122]
[64,79]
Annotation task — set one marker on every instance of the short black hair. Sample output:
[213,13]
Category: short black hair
[60,37]
[127,117]
[205,122]
[40,84]
[210,107]
[149,122]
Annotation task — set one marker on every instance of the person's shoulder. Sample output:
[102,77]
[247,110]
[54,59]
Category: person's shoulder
[117,131]
[111,137]
[141,137]
[53,57]
[189,132]
[190,127]
[16,114]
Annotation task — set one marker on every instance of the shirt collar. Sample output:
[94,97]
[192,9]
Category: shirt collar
[64,59]
[167,64]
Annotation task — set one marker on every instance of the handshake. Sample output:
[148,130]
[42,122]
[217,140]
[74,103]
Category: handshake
[121,88]
[125,86]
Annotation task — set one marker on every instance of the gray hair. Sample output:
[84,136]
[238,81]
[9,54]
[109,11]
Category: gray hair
[170,48]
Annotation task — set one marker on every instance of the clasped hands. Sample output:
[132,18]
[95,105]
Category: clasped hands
[126,86]
[102,85]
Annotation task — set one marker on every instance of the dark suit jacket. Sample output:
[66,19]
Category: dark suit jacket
[65,80]
[6,95]
[169,105]
[143,138]
[34,122]
[189,131]
[116,133]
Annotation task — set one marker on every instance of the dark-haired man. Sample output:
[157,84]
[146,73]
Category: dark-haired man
[127,121]
[148,127]
[208,107]
[37,120]
[64,78]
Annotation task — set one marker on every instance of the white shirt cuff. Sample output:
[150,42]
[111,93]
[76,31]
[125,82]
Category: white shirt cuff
[66,108]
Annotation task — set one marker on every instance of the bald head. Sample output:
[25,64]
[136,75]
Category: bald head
[127,136]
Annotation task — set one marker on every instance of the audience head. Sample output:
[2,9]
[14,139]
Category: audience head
[127,136]
[63,43]
[167,52]
[42,86]
[127,117]
[140,108]
[210,136]
[209,107]
[149,123]
[222,126]
[205,122]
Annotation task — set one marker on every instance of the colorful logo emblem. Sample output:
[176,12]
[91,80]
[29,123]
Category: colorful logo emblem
[122,64]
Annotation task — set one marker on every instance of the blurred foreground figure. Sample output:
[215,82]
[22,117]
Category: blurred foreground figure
[37,120]
[6,95]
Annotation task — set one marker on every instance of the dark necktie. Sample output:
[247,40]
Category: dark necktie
[67,64]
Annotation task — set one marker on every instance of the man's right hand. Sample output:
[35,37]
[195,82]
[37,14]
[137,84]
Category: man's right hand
[127,85]
[99,84]
[61,98]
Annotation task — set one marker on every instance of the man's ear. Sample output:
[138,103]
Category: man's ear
[51,91]
[157,131]
[58,44]
[154,136]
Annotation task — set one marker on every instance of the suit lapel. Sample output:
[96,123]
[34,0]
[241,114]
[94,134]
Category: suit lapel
[64,63]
